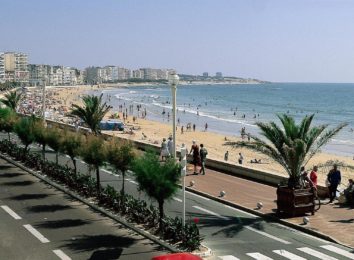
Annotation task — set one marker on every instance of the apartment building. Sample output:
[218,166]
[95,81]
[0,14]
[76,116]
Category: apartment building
[2,67]
[14,67]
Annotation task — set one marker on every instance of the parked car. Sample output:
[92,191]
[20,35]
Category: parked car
[177,256]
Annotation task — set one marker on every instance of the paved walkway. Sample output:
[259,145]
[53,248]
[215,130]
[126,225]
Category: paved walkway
[332,219]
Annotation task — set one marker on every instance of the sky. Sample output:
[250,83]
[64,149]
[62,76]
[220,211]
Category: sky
[275,40]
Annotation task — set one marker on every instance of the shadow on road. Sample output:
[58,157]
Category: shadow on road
[18,183]
[10,175]
[29,196]
[6,166]
[64,223]
[107,254]
[105,246]
[48,208]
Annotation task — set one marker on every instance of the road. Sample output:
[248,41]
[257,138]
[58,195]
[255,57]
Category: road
[40,222]
[231,233]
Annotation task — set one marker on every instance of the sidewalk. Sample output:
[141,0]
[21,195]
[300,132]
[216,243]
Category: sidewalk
[332,219]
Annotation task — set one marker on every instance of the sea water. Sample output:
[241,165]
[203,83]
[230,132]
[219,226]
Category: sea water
[228,108]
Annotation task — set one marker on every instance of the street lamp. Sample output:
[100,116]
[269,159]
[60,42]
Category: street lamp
[43,101]
[173,80]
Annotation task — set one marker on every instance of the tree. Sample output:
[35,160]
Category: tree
[291,145]
[24,129]
[71,145]
[8,119]
[40,135]
[93,153]
[158,181]
[120,155]
[54,139]
[12,99]
[92,112]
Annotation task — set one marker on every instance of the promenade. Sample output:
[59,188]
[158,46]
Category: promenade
[332,220]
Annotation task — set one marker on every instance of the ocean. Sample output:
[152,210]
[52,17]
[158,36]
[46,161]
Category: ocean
[228,108]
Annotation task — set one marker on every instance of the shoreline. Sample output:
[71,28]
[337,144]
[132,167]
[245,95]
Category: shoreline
[214,142]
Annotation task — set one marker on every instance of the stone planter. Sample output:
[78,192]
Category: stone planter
[295,202]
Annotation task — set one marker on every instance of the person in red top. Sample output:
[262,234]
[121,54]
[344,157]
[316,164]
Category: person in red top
[313,176]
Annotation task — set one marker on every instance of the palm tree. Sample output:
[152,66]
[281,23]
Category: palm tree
[93,153]
[24,129]
[12,99]
[8,119]
[158,181]
[92,112]
[291,145]
[70,145]
[120,155]
[54,140]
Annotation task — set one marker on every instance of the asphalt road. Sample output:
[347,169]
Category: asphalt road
[40,222]
[231,233]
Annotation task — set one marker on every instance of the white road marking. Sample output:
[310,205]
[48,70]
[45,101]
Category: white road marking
[268,235]
[106,171]
[82,161]
[288,255]
[10,212]
[211,212]
[61,254]
[36,233]
[339,251]
[197,195]
[243,212]
[259,256]
[300,233]
[228,257]
[316,254]
[177,199]
[67,156]
[133,182]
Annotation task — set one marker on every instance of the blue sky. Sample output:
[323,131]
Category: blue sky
[277,40]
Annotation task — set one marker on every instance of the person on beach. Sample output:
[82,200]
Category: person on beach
[196,156]
[226,156]
[193,127]
[349,192]
[206,127]
[334,179]
[182,129]
[313,176]
[170,146]
[240,158]
[164,150]
[203,154]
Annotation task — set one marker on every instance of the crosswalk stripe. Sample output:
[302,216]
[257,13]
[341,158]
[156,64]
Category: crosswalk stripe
[259,256]
[316,253]
[288,255]
[228,257]
[339,251]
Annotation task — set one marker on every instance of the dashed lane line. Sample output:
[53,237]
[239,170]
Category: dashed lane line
[10,212]
[196,195]
[268,235]
[61,254]
[177,199]
[36,233]
[211,212]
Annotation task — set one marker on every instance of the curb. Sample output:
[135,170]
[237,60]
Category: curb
[268,217]
[93,206]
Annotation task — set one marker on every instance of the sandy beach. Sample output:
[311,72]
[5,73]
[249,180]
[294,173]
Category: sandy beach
[215,143]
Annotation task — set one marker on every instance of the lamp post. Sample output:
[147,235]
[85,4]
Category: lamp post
[43,102]
[173,80]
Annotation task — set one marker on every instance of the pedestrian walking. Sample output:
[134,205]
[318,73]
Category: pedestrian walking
[193,127]
[206,127]
[313,176]
[203,154]
[334,179]
[226,156]
[170,146]
[196,157]
[240,158]
[164,150]
[182,129]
